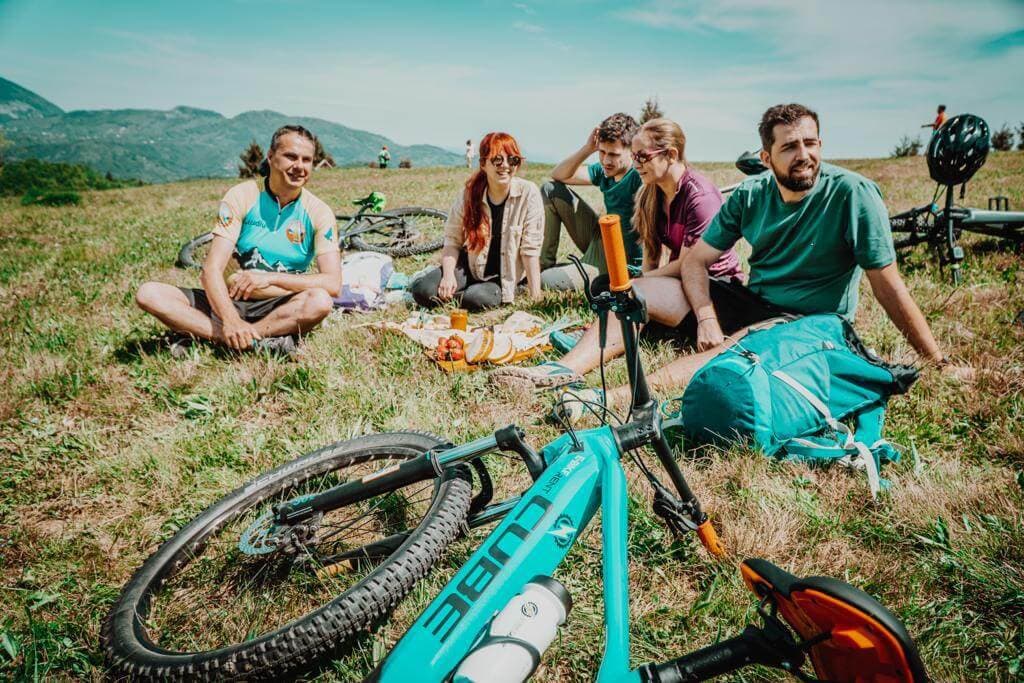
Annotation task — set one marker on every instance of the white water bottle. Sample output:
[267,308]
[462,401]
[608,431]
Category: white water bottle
[518,636]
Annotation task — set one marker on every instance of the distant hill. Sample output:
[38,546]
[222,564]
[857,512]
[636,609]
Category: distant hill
[18,103]
[184,142]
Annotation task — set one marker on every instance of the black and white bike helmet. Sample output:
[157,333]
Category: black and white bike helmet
[958,149]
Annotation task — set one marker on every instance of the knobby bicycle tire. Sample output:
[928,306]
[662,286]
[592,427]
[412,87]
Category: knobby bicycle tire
[397,248]
[306,642]
[187,253]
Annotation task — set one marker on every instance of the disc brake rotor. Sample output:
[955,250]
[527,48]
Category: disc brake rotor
[265,536]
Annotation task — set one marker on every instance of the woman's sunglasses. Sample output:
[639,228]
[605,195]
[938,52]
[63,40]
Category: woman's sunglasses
[645,155]
[513,161]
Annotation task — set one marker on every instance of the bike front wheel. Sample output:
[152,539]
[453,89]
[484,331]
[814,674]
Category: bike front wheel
[402,232]
[229,596]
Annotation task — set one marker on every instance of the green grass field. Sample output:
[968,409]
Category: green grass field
[107,445]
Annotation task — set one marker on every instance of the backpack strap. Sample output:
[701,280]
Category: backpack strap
[812,399]
[847,451]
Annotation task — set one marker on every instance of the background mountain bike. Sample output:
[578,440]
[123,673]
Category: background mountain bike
[405,231]
[288,570]
[955,153]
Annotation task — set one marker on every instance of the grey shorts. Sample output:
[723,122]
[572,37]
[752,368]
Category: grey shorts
[250,310]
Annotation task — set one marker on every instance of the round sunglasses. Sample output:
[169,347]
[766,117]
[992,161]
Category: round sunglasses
[512,160]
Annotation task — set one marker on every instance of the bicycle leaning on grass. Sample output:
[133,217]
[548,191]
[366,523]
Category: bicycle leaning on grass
[286,572]
[405,231]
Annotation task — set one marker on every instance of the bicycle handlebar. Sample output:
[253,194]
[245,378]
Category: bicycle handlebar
[614,252]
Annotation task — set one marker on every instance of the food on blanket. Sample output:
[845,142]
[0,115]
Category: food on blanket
[480,346]
[450,348]
[459,319]
[502,351]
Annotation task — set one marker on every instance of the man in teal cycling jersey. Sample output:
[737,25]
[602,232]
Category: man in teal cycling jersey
[274,229]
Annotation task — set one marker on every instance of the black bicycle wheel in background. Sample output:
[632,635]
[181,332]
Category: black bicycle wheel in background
[202,608]
[403,232]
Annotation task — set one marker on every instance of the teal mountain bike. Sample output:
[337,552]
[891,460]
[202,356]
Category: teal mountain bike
[406,231]
[291,569]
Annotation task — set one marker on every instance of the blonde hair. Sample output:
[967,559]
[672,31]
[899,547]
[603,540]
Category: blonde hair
[663,134]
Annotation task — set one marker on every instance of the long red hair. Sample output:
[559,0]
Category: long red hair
[476,223]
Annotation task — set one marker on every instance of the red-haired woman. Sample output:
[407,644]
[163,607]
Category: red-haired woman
[492,238]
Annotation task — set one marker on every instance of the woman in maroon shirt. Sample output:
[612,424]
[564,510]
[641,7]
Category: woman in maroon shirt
[673,207]
[675,203]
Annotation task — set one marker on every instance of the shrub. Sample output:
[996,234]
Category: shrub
[41,177]
[650,110]
[1020,134]
[55,198]
[907,147]
[405,163]
[1002,139]
[251,158]
[373,164]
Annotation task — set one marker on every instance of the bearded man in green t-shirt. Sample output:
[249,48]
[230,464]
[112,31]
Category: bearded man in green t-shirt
[813,229]
[618,181]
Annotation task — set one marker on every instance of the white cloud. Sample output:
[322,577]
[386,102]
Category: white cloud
[528,27]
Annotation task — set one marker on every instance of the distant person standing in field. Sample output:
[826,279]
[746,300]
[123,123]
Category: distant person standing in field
[469,154]
[492,237]
[274,229]
[940,118]
[384,157]
[614,175]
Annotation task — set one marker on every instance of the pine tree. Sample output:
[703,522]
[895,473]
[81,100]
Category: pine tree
[650,110]
[251,159]
[320,154]
[1020,134]
[1002,139]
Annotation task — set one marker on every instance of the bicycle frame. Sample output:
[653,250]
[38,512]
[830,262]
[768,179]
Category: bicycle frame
[943,232]
[532,540]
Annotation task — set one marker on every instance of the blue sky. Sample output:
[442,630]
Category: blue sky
[439,72]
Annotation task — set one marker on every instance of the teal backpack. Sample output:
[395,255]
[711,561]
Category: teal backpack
[790,388]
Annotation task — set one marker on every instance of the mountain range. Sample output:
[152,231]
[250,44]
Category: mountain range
[184,142]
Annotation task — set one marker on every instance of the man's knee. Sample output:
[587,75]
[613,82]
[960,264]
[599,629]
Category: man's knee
[555,189]
[316,304]
[151,297]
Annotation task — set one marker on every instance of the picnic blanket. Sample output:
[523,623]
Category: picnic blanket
[521,336]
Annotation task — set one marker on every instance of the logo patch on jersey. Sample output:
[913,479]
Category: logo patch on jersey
[329,235]
[224,215]
[295,232]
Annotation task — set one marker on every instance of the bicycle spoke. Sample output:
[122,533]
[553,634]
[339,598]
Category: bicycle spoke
[223,595]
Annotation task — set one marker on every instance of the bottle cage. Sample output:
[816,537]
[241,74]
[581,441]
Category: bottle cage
[865,641]
[958,149]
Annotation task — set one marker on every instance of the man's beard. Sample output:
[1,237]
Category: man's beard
[797,184]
